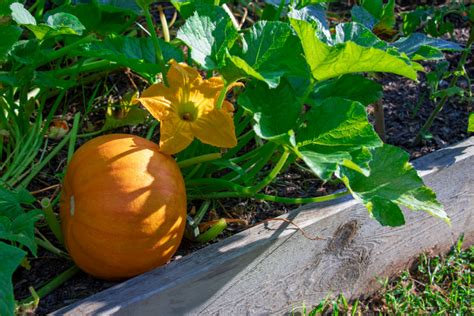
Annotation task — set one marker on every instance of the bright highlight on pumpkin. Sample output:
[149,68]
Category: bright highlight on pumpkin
[187,108]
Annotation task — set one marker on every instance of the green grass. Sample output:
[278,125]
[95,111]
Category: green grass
[437,286]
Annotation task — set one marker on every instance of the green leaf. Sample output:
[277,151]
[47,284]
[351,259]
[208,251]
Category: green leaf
[270,51]
[316,16]
[351,87]
[186,8]
[375,15]
[374,7]
[20,15]
[27,52]
[358,34]
[333,131]
[362,16]
[450,92]
[332,61]
[10,259]
[387,19]
[392,183]
[11,202]
[209,33]
[417,44]
[97,20]
[470,125]
[5,7]
[9,35]
[413,19]
[21,229]
[56,24]
[46,79]
[115,6]
[275,111]
[65,23]
[133,52]
[386,212]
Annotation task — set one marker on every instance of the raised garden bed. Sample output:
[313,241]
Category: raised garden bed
[275,267]
[297,130]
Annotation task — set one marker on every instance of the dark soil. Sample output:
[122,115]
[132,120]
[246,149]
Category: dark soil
[401,98]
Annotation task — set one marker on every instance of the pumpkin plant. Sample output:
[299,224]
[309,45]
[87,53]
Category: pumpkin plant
[304,100]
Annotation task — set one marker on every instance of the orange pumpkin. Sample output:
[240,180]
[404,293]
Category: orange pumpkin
[123,206]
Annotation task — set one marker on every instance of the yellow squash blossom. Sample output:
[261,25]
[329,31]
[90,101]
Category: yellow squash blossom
[187,109]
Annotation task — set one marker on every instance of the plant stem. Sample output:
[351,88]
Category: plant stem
[65,50]
[199,159]
[38,167]
[164,24]
[231,16]
[212,232]
[51,248]
[156,44]
[424,129]
[217,184]
[53,284]
[52,220]
[271,176]
[222,95]
[94,133]
[271,198]
[201,212]
[98,65]
[72,140]
[150,132]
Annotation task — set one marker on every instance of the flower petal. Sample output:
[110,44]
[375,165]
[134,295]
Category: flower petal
[175,134]
[182,76]
[215,128]
[159,100]
[229,107]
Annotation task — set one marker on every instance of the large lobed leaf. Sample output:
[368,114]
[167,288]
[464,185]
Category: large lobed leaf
[392,183]
[334,131]
[9,35]
[419,46]
[10,259]
[351,87]
[270,50]
[18,226]
[11,202]
[209,33]
[133,52]
[275,111]
[21,229]
[332,61]
[56,24]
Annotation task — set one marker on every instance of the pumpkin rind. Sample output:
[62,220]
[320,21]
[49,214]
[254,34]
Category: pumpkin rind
[123,206]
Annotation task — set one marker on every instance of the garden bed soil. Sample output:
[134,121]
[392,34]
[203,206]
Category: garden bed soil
[401,96]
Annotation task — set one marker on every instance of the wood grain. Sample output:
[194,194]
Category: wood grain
[272,268]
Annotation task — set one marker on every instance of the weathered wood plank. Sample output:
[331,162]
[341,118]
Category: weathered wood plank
[273,268]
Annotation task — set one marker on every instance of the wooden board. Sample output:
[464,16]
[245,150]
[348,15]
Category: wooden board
[273,268]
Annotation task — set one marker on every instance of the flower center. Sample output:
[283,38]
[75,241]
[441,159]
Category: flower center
[188,112]
[187,116]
